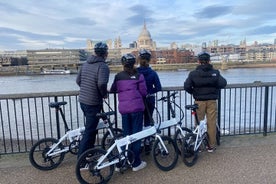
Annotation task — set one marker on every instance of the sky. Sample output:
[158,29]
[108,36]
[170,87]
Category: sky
[41,24]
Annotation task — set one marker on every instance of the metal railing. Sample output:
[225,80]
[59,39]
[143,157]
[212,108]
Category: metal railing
[26,118]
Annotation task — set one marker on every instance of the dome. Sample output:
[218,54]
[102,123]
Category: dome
[145,34]
[144,40]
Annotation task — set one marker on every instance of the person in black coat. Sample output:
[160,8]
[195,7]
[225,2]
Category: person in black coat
[204,84]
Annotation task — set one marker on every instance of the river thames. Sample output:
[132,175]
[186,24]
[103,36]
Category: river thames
[53,83]
[242,110]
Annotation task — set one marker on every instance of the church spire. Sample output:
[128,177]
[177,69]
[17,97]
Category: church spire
[145,27]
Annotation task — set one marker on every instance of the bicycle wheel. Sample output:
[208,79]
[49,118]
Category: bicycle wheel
[40,160]
[189,156]
[165,160]
[108,140]
[85,171]
[178,137]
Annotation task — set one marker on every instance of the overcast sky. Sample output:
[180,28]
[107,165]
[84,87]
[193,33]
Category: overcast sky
[39,24]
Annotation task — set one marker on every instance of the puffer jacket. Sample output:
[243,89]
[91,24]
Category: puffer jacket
[204,83]
[152,79]
[131,90]
[92,79]
[152,82]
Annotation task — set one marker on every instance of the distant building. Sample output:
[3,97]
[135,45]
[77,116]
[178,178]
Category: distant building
[145,41]
[13,58]
[56,56]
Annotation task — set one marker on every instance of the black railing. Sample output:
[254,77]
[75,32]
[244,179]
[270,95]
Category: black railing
[26,118]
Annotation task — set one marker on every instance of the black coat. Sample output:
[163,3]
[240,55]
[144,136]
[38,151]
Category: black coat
[204,83]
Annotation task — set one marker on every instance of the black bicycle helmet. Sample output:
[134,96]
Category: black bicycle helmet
[145,54]
[128,60]
[100,49]
[203,56]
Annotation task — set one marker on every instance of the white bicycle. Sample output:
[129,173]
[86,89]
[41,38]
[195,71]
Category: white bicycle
[180,131]
[195,141]
[96,165]
[48,153]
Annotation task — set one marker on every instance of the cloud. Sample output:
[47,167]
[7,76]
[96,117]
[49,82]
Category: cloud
[263,30]
[80,21]
[213,11]
[67,24]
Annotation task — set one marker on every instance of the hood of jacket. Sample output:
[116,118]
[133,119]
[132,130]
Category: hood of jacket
[94,59]
[144,70]
[205,67]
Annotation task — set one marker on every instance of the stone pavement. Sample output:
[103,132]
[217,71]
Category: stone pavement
[238,160]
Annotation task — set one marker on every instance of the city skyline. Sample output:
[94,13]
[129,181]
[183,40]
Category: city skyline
[68,24]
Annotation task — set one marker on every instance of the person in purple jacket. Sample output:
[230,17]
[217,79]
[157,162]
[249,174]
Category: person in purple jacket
[131,88]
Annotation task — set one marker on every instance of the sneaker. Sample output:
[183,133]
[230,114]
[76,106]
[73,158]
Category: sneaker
[211,149]
[139,167]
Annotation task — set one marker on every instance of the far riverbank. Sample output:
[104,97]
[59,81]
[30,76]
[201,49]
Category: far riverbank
[28,70]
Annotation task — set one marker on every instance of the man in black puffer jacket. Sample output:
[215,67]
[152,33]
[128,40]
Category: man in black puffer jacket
[204,84]
[92,79]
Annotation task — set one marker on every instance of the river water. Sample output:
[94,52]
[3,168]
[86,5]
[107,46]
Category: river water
[53,83]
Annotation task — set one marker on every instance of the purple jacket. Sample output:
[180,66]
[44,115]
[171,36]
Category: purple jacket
[131,91]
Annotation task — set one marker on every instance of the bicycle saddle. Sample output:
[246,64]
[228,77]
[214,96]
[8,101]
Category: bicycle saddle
[194,106]
[56,104]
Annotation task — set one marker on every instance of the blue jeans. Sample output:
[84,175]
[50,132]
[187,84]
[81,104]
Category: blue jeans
[91,123]
[148,112]
[133,123]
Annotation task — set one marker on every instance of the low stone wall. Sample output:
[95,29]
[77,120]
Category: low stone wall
[32,70]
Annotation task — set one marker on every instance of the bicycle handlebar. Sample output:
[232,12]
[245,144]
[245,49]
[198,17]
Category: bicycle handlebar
[164,98]
[104,115]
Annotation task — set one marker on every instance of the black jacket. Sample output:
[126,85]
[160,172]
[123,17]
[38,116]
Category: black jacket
[204,83]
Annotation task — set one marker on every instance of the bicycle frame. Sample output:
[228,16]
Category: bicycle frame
[173,121]
[125,142]
[168,123]
[71,135]
[200,130]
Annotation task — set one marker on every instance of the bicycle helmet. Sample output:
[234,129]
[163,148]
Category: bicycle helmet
[145,54]
[128,60]
[100,49]
[203,57]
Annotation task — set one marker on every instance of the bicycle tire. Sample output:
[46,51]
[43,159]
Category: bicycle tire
[189,156]
[38,158]
[88,160]
[178,138]
[107,140]
[165,161]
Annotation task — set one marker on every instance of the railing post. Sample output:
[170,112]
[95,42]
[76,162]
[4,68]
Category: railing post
[57,119]
[115,108]
[265,110]
[219,108]
[169,113]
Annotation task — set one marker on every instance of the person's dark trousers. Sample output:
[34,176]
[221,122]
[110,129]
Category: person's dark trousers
[91,123]
[133,123]
[148,112]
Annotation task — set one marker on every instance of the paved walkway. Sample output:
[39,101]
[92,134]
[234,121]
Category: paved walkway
[239,160]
